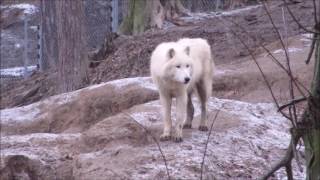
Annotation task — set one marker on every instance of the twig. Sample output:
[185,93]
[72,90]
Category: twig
[311,48]
[283,162]
[260,69]
[274,59]
[298,23]
[207,142]
[286,160]
[315,12]
[155,140]
[294,119]
[295,101]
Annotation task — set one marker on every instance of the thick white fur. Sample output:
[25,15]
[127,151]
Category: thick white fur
[171,64]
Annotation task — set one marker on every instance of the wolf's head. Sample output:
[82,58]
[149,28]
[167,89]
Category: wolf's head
[179,65]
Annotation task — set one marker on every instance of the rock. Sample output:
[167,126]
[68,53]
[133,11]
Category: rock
[96,133]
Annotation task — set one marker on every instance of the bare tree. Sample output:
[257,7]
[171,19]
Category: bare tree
[144,14]
[49,35]
[71,43]
[311,118]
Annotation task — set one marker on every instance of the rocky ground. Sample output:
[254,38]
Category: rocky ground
[110,130]
[96,133]
[131,54]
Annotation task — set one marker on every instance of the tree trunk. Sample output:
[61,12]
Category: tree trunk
[49,35]
[144,14]
[72,53]
[311,120]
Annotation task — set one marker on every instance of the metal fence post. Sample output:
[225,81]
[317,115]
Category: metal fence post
[25,52]
[218,4]
[115,15]
[39,48]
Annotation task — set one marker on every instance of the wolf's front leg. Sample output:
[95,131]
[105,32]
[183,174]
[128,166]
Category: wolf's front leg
[181,116]
[190,113]
[166,115]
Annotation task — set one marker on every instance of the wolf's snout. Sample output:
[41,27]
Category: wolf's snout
[186,80]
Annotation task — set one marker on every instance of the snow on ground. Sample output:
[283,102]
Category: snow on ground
[257,132]
[18,114]
[27,8]
[200,16]
[260,129]
[290,49]
[17,71]
[144,82]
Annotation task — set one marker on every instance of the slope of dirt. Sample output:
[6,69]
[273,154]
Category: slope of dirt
[131,56]
[133,53]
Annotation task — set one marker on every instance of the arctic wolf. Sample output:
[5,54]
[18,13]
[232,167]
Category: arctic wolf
[178,69]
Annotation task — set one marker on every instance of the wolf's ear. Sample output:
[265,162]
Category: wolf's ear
[171,53]
[187,50]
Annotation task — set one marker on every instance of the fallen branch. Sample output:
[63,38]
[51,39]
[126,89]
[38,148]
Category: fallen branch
[295,101]
[286,160]
[207,142]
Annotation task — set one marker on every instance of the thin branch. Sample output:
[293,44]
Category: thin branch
[294,120]
[274,59]
[296,20]
[283,162]
[287,158]
[315,12]
[295,101]
[155,140]
[289,171]
[311,48]
[260,69]
[207,142]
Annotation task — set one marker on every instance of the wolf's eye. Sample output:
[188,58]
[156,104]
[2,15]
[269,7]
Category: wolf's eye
[187,65]
[178,66]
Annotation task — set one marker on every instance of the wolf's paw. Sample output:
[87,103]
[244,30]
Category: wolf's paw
[177,139]
[165,137]
[203,128]
[187,126]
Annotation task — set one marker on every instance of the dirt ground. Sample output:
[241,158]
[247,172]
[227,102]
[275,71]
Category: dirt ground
[131,56]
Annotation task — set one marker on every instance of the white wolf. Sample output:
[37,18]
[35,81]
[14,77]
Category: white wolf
[178,69]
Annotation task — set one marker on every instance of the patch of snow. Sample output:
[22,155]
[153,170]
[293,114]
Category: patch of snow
[61,98]
[144,82]
[45,137]
[146,118]
[34,28]
[222,71]
[24,113]
[238,11]
[14,152]
[200,16]
[293,49]
[17,45]
[307,35]
[16,71]
[27,8]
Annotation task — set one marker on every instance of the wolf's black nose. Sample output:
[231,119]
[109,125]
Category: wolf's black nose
[186,80]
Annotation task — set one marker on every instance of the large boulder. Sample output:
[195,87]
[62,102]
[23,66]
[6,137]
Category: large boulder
[96,133]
